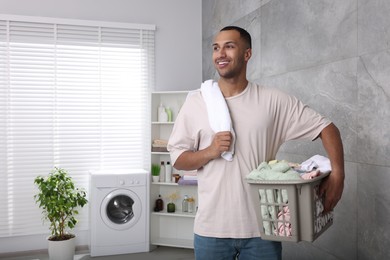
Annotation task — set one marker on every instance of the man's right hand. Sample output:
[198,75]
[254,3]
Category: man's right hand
[190,160]
[221,143]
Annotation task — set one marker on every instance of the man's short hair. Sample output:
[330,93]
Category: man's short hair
[243,34]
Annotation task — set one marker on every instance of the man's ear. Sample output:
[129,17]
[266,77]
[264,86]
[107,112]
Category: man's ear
[248,54]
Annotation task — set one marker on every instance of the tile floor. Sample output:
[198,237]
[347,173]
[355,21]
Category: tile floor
[160,253]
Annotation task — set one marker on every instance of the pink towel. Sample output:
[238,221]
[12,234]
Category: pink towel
[311,175]
[284,226]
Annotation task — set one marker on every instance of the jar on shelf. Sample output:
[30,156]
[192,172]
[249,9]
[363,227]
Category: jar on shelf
[171,208]
[185,204]
[191,205]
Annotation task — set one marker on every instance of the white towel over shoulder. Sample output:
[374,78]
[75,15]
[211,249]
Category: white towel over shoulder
[218,112]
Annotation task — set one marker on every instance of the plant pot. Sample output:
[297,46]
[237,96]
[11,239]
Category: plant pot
[155,178]
[62,250]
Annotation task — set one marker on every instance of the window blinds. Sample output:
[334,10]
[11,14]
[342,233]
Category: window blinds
[73,94]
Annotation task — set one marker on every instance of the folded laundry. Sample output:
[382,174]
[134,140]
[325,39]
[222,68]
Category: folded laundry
[189,177]
[311,175]
[284,224]
[275,171]
[160,142]
[187,182]
[159,145]
[318,162]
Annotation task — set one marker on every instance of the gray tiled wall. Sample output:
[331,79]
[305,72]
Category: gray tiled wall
[334,56]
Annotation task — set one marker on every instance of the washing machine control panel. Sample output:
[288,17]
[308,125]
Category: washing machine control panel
[119,180]
[131,180]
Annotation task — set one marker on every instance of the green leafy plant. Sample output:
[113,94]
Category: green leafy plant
[156,169]
[59,199]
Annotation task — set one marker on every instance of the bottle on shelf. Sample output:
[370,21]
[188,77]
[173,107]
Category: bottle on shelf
[159,204]
[168,172]
[162,114]
[162,172]
[191,205]
[169,114]
[185,204]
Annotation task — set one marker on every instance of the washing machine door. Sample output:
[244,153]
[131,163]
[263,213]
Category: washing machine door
[121,209]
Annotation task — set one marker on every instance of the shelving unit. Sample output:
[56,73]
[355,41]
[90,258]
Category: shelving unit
[169,229]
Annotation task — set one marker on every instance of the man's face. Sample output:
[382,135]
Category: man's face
[230,54]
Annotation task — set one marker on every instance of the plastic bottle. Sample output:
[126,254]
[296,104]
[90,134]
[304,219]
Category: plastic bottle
[185,204]
[162,114]
[162,172]
[169,114]
[159,112]
[168,172]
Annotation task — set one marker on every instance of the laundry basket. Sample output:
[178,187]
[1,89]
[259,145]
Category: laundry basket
[290,210]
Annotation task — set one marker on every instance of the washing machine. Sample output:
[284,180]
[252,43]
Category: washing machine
[119,219]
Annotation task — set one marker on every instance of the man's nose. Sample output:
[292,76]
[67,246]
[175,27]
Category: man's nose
[221,53]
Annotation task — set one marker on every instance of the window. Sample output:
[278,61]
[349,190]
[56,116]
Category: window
[73,94]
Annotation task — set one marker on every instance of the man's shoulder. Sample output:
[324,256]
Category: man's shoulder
[266,90]
[193,93]
[193,96]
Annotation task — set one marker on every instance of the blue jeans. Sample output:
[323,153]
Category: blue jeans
[230,248]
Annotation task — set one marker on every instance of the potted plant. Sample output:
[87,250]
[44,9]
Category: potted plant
[156,172]
[59,199]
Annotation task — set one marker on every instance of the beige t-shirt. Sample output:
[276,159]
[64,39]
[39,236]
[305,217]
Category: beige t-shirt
[263,118]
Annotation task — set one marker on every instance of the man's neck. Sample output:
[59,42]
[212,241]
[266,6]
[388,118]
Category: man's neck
[232,87]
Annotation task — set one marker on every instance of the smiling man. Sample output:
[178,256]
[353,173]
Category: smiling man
[262,119]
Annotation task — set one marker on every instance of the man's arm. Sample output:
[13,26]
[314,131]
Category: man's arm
[190,160]
[333,186]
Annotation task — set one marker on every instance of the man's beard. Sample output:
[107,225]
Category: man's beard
[228,74]
[231,72]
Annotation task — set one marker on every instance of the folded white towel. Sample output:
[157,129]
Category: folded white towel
[318,162]
[190,177]
[218,112]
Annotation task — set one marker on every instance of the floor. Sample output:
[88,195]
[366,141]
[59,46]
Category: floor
[160,253]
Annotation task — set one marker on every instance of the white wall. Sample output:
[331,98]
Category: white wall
[178,35]
[178,50]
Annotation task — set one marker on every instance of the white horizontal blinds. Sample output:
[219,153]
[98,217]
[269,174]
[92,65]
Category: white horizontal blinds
[3,124]
[77,98]
[124,96]
[78,103]
[29,122]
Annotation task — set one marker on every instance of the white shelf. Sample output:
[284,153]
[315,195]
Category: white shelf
[162,123]
[169,229]
[173,242]
[160,153]
[172,184]
[174,214]
[165,183]
[185,92]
